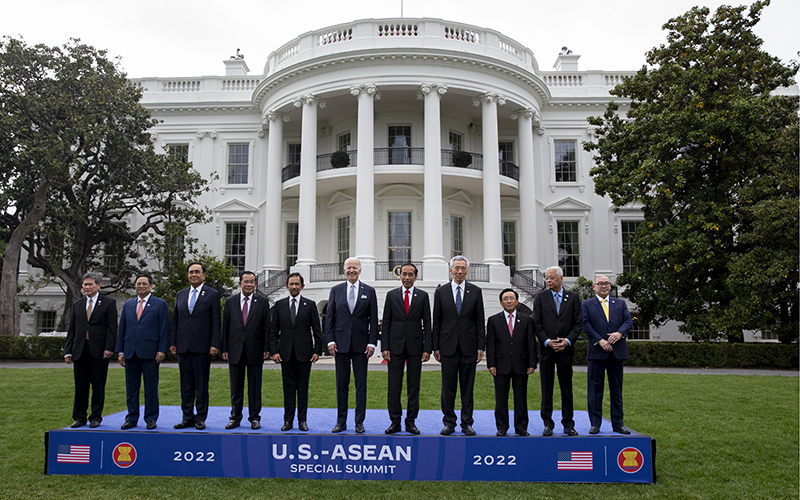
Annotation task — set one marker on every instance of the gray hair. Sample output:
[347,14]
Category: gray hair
[457,258]
[94,276]
[344,266]
[557,269]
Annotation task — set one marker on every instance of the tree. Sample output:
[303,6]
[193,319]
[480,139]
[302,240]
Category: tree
[710,149]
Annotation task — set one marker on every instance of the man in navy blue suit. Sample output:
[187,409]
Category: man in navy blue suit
[606,323]
[195,337]
[142,344]
[351,331]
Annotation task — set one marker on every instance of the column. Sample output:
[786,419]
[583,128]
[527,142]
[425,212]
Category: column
[492,229]
[307,213]
[365,179]
[433,255]
[272,205]
[528,251]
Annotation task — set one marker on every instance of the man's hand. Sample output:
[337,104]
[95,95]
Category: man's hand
[426,356]
[214,350]
[480,356]
[121,360]
[266,355]
[225,356]
[276,358]
[370,351]
[314,357]
[173,350]
[387,355]
[437,356]
[160,356]
[614,338]
[606,346]
[530,370]
[68,359]
[107,354]
[332,350]
[493,371]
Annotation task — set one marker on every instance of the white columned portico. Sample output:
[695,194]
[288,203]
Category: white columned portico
[528,251]
[307,213]
[365,179]
[433,251]
[272,204]
[492,228]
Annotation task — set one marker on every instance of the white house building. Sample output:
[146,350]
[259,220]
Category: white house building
[401,98]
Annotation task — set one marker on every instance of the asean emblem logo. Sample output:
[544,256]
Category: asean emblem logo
[630,460]
[124,455]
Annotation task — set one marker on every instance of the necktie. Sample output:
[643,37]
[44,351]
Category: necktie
[88,315]
[293,310]
[192,300]
[351,298]
[139,309]
[458,299]
[510,325]
[244,311]
[605,307]
[405,301]
[557,298]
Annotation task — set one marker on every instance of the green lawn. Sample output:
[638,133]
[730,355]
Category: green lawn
[718,436]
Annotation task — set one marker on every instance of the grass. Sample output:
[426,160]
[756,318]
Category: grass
[718,436]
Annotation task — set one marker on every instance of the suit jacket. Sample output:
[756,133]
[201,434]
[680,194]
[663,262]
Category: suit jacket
[549,325]
[199,331]
[357,329]
[412,330]
[450,329]
[102,328]
[148,335]
[304,336]
[597,328]
[235,334]
[510,354]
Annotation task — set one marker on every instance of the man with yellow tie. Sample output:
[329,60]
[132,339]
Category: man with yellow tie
[606,323]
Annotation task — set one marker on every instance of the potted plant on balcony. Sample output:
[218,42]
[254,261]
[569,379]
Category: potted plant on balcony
[340,159]
[462,159]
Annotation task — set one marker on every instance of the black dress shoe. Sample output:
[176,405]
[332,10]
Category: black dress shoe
[255,425]
[77,424]
[199,425]
[232,424]
[501,433]
[392,429]
[594,430]
[339,428]
[447,430]
[622,429]
[151,425]
[303,426]
[412,428]
[570,431]
[183,424]
[128,424]
[360,428]
[548,431]
[523,434]
[94,424]
[467,430]
[286,426]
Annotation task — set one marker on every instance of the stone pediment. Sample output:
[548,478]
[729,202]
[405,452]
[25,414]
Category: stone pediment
[339,198]
[234,206]
[568,204]
[460,197]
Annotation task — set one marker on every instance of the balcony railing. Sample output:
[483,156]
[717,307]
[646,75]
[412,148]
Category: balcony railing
[399,156]
[269,282]
[447,160]
[290,172]
[324,161]
[478,272]
[326,272]
[509,170]
[391,270]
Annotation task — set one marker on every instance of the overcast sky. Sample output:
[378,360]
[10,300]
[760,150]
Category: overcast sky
[171,38]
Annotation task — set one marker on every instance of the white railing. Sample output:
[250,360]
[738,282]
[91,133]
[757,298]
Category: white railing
[463,34]
[563,80]
[389,30]
[181,86]
[239,84]
[338,35]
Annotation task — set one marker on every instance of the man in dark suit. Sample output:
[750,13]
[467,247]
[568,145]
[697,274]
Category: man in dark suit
[510,356]
[295,340]
[351,330]
[459,338]
[606,323]
[557,325]
[91,338]
[142,344]
[245,346]
[407,343]
[195,337]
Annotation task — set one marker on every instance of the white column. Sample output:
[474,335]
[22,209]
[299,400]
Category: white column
[528,252]
[307,214]
[433,257]
[492,228]
[272,204]
[365,179]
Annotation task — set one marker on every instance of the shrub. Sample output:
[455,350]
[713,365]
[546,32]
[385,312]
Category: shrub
[340,159]
[462,159]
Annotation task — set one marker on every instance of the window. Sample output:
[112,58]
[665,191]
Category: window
[510,244]
[178,152]
[343,239]
[455,141]
[45,321]
[238,163]
[641,328]
[343,142]
[569,255]
[399,238]
[506,151]
[235,237]
[565,161]
[399,142]
[628,231]
[294,154]
[768,334]
[292,229]
[112,251]
[456,236]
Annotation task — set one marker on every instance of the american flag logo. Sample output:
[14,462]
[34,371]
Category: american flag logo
[73,454]
[575,460]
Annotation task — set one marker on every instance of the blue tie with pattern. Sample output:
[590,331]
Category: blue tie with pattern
[458,299]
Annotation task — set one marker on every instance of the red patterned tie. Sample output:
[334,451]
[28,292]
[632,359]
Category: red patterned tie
[510,325]
[244,311]
[406,301]
[139,309]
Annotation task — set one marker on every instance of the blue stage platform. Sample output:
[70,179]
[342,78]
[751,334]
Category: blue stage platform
[318,454]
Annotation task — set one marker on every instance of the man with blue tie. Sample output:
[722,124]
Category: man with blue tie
[195,337]
[606,323]
[351,330]
[142,344]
